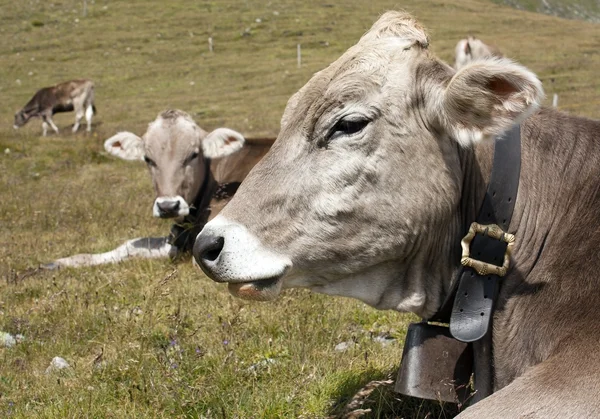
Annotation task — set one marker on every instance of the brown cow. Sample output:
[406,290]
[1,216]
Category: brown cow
[382,163]
[195,173]
[75,95]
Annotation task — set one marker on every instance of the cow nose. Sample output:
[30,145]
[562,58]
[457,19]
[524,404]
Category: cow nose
[168,207]
[206,251]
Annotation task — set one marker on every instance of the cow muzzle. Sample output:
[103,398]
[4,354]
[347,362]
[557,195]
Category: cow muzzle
[228,252]
[170,207]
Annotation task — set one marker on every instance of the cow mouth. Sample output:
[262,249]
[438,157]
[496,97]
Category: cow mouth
[261,290]
[169,207]
[178,215]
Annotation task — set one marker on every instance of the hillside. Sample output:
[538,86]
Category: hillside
[155,338]
[570,9]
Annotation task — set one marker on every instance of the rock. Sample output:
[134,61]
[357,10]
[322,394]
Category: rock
[57,364]
[385,339]
[344,346]
[7,340]
[262,364]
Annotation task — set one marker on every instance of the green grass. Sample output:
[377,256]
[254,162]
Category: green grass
[156,339]
[572,9]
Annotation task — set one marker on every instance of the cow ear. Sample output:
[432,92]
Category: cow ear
[126,146]
[461,53]
[468,46]
[222,142]
[485,98]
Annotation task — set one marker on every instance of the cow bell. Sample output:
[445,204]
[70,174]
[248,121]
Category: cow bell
[434,365]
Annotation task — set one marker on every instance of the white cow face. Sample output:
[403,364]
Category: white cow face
[360,194]
[177,153]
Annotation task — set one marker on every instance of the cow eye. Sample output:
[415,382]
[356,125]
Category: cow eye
[191,158]
[348,127]
[149,161]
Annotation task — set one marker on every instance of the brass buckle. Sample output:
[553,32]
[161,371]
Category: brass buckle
[495,232]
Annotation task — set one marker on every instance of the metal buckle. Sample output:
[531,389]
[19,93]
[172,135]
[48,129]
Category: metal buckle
[495,232]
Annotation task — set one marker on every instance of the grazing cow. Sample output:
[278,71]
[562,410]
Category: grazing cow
[382,163]
[470,49]
[75,95]
[195,173]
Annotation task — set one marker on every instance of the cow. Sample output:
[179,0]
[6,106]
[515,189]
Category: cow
[470,49]
[381,164]
[194,173]
[71,95]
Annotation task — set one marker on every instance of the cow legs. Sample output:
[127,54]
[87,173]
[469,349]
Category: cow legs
[145,248]
[89,112]
[44,128]
[54,127]
[48,121]
[78,116]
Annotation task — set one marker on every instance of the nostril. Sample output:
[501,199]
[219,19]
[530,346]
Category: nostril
[207,249]
[212,253]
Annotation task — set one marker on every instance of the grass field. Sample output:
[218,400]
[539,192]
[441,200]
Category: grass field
[158,339]
[572,9]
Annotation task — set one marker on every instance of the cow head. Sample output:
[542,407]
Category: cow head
[360,194]
[176,152]
[470,49]
[21,118]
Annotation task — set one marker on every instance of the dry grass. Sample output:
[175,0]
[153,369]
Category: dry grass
[150,338]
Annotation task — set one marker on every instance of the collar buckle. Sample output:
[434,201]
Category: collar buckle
[495,232]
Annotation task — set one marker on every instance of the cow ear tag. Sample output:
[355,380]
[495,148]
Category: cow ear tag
[434,365]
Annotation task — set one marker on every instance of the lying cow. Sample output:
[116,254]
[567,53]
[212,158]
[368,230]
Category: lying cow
[381,165]
[72,95]
[194,174]
[470,49]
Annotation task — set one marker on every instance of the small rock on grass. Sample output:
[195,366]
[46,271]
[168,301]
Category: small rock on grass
[57,364]
[7,340]
[344,346]
[262,364]
[385,339]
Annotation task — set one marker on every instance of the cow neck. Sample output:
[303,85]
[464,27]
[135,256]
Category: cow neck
[201,207]
[183,234]
[469,305]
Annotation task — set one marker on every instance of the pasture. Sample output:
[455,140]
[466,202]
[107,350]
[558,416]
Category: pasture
[157,338]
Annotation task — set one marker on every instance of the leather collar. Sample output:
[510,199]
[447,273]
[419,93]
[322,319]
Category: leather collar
[183,235]
[497,208]
[469,307]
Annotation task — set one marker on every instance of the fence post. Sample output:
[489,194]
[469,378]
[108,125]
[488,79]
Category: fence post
[299,54]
